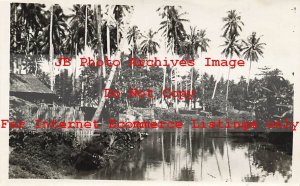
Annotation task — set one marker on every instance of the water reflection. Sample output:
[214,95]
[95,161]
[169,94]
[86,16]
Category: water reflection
[198,156]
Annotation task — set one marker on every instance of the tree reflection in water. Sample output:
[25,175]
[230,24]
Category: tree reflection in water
[199,156]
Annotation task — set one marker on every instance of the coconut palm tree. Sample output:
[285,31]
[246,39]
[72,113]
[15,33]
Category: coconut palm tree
[173,28]
[231,47]
[82,32]
[119,12]
[82,26]
[109,80]
[57,22]
[233,24]
[203,40]
[28,21]
[149,46]
[252,49]
[232,27]
[195,40]
[55,33]
[33,17]
[163,12]
[115,17]
[19,39]
[133,35]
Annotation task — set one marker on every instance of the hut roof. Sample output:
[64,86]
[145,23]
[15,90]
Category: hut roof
[27,83]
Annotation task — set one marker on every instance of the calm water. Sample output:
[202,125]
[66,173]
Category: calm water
[198,156]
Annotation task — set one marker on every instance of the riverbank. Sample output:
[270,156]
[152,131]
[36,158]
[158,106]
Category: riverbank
[40,155]
[54,155]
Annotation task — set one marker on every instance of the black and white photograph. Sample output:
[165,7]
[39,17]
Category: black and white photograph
[143,91]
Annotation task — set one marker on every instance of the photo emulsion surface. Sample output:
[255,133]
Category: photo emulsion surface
[197,91]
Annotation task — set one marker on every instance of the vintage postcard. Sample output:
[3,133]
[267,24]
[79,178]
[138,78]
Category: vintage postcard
[150,92]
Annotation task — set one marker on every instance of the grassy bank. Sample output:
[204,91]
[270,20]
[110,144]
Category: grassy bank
[52,155]
[40,154]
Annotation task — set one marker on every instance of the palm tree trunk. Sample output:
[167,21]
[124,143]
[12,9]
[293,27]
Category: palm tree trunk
[214,92]
[108,41]
[165,68]
[248,79]
[51,50]
[186,89]
[215,88]
[103,67]
[74,73]
[15,19]
[164,84]
[27,51]
[103,99]
[36,67]
[19,65]
[132,56]
[203,104]
[15,38]
[82,93]
[190,103]
[227,91]
[147,67]
[99,22]
[117,26]
[176,100]
[85,27]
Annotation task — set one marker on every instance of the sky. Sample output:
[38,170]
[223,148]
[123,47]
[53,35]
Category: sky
[276,21]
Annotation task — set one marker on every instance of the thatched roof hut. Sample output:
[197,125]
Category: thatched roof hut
[30,88]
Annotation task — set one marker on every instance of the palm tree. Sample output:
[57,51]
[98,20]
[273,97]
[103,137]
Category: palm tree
[163,12]
[252,50]
[195,40]
[231,31]
[233,24]
[82,32]
[173,28]
[57,24]
[82,26]
[55,34]
[133,35]
[108,81]
[203,40]
[149,46]
[32,16]
[231,47]
[29,19]
[100,46]
[119,12]
[15,44]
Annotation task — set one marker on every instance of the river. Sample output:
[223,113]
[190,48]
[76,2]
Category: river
[198,156]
